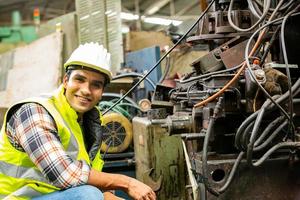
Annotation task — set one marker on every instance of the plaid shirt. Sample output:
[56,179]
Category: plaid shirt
[31,129]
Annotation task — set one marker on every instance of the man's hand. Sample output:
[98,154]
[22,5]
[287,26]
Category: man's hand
[139,191]
[107,181]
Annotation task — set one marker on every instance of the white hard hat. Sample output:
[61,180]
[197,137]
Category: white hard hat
[91,55]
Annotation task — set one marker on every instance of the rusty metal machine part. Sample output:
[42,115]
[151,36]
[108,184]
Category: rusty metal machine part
[215,25]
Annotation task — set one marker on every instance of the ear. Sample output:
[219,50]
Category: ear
[65,81]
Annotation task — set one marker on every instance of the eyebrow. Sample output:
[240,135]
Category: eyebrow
[83,77]
[79,76]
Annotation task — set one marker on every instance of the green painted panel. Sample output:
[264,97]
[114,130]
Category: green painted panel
[24,34]
[154,148]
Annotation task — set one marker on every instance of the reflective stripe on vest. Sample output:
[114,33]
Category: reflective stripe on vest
[27,172]
[25,191]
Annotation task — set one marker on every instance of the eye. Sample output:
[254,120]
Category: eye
[79,79]
[97,85]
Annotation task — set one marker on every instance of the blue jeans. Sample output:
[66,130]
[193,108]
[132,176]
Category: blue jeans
[77,193]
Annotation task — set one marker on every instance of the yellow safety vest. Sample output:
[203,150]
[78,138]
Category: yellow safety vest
[19,176]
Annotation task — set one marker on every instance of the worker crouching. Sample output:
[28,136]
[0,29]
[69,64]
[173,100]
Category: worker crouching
[50,145]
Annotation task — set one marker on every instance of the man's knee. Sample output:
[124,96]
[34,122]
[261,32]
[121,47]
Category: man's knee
[91,193]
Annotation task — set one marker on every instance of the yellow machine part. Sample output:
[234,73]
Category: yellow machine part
[117,133]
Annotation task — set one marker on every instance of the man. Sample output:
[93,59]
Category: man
[49,145]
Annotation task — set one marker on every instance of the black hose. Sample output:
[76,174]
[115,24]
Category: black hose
[242,128]
[212,190]
[245,134]
[254,135]
[271,137]
[274,148]
[245,124]
[204,157]
[209,131]
[232,173]
[248,120]
[268,129]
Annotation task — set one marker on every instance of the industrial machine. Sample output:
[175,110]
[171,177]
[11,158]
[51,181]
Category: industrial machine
[230,129]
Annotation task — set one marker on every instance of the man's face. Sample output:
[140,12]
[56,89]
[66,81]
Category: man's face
[83,89]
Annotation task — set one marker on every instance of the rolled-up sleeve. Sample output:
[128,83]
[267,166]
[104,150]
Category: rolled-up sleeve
[32,129]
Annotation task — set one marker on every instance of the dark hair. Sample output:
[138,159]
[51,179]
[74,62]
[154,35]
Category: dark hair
[71,68]
[68,73]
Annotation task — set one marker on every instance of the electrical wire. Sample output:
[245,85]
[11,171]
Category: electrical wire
[252,9]
[252,27]
[283,7]
[291,7]
[221,91]
[271,42]
[158,62]
[254,100]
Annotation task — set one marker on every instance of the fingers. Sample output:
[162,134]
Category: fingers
[153,195]
[140,191]
[150,196]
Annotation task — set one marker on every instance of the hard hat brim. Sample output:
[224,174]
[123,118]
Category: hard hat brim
[87,65]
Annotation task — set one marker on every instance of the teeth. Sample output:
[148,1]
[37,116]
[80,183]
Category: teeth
[83,98]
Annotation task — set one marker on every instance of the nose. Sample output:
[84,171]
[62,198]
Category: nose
[85,89]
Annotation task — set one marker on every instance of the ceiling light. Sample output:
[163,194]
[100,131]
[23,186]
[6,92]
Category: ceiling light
[161,21]
[129,16]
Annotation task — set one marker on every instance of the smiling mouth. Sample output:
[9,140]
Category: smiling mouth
[83,99]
